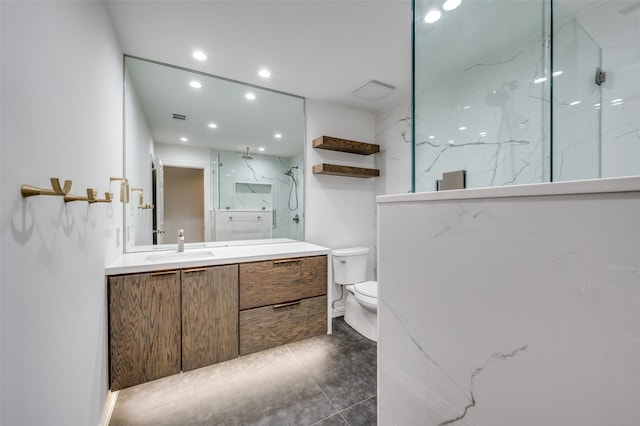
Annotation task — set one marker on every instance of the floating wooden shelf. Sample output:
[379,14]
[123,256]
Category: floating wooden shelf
[336,170]
[345,145]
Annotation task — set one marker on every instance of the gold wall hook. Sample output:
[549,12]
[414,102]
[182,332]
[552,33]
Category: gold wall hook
[108,197]
[29,190]
[124,188]
[141,203]
[90,197]
[55,184]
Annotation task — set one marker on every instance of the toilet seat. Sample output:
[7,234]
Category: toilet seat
[367,288]
[366,294]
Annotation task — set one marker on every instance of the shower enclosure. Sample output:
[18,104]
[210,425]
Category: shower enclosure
[517,92]
[256,196]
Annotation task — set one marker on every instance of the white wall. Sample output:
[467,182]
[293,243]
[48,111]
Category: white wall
[339,211]
[61,117]
[525,306]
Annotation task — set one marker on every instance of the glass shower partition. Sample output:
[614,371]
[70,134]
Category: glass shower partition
[576,116]
[482,106]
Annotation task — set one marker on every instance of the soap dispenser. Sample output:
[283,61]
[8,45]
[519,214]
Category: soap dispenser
[181,240]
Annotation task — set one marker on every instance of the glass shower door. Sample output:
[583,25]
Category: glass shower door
[576,117]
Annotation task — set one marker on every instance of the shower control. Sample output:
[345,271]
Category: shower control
[601,76]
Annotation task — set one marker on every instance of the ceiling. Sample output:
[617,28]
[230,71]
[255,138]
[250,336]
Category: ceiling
[238,123]
[318,49]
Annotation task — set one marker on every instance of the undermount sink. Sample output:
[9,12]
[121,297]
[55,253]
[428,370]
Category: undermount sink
[184,256]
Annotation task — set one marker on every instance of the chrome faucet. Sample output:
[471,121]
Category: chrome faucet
[180,240]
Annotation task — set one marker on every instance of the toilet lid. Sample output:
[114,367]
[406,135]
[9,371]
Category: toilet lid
[368,288]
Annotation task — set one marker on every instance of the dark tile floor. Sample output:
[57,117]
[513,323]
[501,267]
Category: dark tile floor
[325,380]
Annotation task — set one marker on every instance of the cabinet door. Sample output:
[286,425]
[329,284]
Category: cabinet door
[209,315]
[144,327]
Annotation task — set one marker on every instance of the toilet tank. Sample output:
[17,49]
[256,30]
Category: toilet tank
[350,265]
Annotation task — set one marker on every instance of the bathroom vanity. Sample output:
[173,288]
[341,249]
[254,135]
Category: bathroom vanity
[172,312]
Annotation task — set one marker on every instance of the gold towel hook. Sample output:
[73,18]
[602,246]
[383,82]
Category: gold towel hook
[141,204]
[91,195]
[108,197]
[29,191]
[124,188]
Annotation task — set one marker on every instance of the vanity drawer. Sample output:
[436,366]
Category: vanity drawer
[270,326]
[282,280]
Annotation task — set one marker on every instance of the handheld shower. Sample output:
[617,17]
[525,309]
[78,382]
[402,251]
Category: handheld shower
[294,184]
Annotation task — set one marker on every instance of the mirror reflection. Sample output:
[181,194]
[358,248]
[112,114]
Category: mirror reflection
[219,159]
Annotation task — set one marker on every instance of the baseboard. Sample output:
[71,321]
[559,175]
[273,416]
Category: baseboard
[337,312]
[108,408]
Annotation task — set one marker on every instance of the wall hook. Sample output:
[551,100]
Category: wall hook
[108,197]
[91,196]
[124,188]
[141,204]
[29,191]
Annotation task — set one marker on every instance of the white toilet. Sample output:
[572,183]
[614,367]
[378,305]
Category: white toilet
[361,305]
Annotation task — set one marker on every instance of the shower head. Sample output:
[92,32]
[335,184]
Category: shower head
[290,172]
[247,156]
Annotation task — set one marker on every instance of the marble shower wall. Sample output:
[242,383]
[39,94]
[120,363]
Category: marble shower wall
[261,170]
[509,311]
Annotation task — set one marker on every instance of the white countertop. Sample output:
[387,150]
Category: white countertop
[130,263]
[577,187]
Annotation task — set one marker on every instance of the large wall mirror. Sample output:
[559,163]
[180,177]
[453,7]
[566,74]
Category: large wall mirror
[217,158]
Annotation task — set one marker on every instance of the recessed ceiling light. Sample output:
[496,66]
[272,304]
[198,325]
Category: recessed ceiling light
[432,137]
[264,73]
[261,148]
[482,134]
[451,4]
[183,139]
[213,125]
[250,96]
[432,16]
[540,80]
[199,55]
[461,128]
[574,103]
[195,84]
[557,73]
[278,135]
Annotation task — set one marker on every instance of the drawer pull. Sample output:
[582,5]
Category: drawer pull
[284,305]
[285,261]
[155,274]
[194,270]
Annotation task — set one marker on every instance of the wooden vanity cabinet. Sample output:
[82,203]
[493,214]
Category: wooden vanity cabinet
[144,327]
[165,322]
[282,301]
[209,315]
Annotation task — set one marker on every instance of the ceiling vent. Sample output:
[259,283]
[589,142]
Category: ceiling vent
[179,116]
[374,90]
